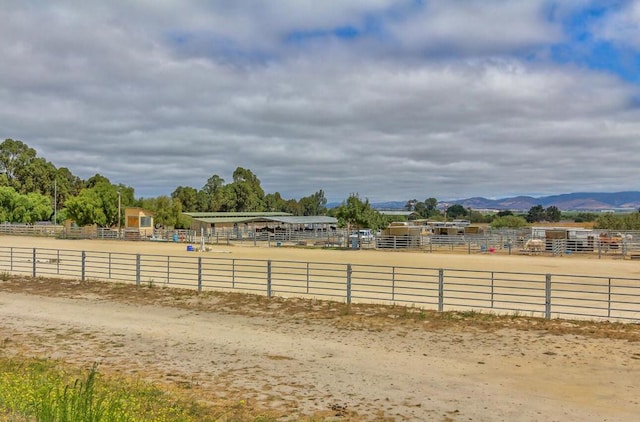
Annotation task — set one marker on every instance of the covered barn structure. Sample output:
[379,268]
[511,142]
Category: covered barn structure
[250,224]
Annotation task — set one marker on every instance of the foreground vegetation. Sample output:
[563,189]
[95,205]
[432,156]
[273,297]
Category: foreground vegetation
[34,389]
[47,391]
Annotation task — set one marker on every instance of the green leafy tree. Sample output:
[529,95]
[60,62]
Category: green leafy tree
[355,214]
[249,195]
[552,213]
[478,217]
[187,196]
[86,208]
[273,202]
[66,185]
[99,204]
[315,204]
[14,156]
[167,211]
[611,221]
[209,198]
[536,214]
[21,169]
[8,199]
[456,211]
[31,208]
[291,206]
[585,217]
[431,208]
[508,221]
[411,205]
[24,208]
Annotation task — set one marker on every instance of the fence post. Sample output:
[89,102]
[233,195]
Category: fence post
[168,269]
[469,247]
[609,299]
[83,265]
[440,290]
[393,283]
[34,262]
[269,278]
[349,271]
[307,278]
[199,274]
[547,297]
[492,288]
[11,259]
[137,269]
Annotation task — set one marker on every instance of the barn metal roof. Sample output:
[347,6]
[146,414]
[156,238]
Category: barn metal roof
[226,218]
[201,215]
[311,219]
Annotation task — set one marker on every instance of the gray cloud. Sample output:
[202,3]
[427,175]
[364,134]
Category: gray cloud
[157,95]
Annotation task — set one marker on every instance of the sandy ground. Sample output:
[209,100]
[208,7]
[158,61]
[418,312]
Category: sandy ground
[609,265]
[298,364]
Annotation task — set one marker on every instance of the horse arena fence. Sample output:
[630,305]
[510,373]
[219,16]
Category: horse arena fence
[442,289]
[505,241]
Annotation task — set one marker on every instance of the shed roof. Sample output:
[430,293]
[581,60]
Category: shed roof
[309,219]
[200,215]
[231,218]
[396,212]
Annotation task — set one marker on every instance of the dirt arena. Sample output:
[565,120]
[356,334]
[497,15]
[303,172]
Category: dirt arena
[310,358]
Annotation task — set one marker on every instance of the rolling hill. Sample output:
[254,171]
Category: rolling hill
[577,201]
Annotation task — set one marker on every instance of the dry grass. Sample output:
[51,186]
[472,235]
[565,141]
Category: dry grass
[298,310]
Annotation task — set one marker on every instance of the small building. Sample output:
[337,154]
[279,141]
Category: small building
[245,223]
[138,223]
[576,239]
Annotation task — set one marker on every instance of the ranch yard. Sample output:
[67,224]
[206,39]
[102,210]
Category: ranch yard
[323,360]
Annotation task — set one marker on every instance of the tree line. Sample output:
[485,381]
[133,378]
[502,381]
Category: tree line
[32,190]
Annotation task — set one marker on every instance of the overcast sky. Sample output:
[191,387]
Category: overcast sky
[390,99]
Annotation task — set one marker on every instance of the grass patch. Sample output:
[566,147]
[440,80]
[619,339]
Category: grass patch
[46,391]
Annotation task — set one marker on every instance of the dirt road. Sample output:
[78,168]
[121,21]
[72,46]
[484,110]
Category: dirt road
[310,358]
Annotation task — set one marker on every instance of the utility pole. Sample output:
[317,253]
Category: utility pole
[55,202]
[119,213]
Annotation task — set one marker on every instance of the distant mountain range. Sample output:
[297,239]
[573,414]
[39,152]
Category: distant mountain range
[578,201]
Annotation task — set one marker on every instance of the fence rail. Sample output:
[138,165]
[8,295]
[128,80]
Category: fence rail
[506,241]
[538,294]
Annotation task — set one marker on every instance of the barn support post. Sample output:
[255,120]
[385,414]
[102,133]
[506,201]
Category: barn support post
[547,297]
[440,290]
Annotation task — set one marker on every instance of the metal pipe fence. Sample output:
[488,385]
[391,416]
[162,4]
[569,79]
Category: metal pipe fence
[538,294]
